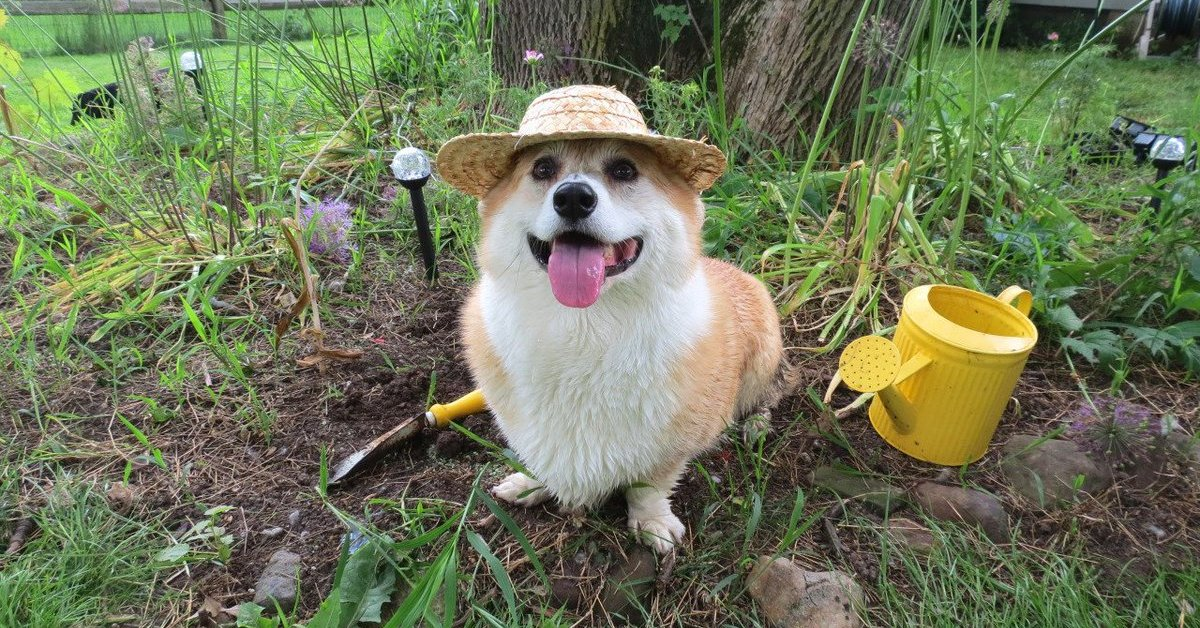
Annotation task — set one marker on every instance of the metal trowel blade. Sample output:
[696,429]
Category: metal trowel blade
[376,449]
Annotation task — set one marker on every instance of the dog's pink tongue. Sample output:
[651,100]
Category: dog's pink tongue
[576,271]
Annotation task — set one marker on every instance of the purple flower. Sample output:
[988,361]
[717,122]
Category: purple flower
[533,57]
[1118,430]
[388,193]
[1052,36]
[328,227]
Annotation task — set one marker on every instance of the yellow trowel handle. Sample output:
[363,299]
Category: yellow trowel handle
[441,414]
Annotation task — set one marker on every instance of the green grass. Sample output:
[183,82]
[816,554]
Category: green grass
[1161,92]
[89,34]
[83,562]
[967,581]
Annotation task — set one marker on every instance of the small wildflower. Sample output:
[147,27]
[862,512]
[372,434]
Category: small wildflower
[1053,37]
[877,45]
[388,193]
[328,225]
[533,57]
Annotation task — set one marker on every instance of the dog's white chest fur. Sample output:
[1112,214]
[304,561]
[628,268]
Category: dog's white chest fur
[593,386]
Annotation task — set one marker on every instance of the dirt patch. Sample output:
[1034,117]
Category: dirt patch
[261,456]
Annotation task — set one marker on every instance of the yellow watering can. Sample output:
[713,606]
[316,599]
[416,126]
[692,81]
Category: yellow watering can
[944,381]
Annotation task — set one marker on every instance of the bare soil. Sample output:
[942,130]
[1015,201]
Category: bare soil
[408,332]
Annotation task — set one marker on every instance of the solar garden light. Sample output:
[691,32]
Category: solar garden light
[1142,144]
[1166,153]
[411,168]
[191,64]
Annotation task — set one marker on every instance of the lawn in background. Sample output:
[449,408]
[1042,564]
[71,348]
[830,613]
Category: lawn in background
[90,34]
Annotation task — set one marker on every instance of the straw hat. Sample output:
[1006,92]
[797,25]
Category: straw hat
[475,163]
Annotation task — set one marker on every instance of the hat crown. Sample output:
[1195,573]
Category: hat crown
[590,108]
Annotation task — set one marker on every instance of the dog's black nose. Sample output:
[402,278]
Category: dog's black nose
[574,200]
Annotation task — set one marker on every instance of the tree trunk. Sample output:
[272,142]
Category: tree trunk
[605,42]
[219,30]
[780,56]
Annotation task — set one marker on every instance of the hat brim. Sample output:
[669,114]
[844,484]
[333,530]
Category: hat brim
[475,163]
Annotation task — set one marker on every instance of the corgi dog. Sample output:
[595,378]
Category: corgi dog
[609,349]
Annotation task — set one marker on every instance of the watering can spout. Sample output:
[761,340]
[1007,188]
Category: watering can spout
[872,364]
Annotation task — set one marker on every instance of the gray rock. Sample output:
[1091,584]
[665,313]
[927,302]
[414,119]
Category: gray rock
[629,582]
[976,508]
[278,582]
[294,519]
[1047,473]
[272,532]
[791,597]
[882,497]
[911,535]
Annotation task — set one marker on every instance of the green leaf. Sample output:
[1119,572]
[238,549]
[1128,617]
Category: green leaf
[1185,330]
[371,605]
[1193,263]
[172,554]
[248,615]
[1080,348]
[1189,300]
[365,587]
[1064,317]
[498,572]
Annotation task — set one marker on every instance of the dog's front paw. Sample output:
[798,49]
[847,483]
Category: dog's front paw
[660,532]
[522,490]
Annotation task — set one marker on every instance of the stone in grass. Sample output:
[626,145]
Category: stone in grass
[1051,472]
[964,505]
[913,536]
[791,597]
[629,583]
[882,497]
[620,591]
[278,582]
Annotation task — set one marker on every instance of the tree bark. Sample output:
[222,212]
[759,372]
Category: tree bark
[606,42]
[780,56]
[219,30]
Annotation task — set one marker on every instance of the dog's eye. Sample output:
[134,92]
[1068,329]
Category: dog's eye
[622,170]
[544,169]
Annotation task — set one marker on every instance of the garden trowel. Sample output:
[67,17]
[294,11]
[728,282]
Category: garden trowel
[438,416]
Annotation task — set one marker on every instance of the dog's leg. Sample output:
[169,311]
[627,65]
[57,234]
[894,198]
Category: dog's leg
[756,426]
[757,423]
[520,489]
[650,516]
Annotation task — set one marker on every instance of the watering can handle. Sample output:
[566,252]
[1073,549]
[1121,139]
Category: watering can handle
[1017,297]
